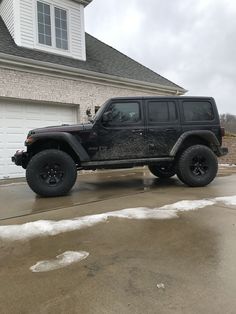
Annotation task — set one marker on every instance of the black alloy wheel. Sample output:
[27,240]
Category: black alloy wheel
[51,173]
[197,166]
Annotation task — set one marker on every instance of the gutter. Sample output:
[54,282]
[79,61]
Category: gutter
[84,2]
[31,65]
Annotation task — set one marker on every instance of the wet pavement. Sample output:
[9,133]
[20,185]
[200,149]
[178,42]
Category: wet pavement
[180,265]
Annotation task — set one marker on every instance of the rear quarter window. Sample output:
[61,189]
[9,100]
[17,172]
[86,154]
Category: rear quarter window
[198,111]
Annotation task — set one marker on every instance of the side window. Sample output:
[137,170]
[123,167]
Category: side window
[162,111]
[125,113]
[198,111]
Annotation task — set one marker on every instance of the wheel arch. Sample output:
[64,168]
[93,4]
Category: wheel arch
[61,141]
[191,138]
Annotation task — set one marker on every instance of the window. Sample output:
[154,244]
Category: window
[198,111]
[44,24]
[162,111]
[52,26]
[61,28]
[125,113]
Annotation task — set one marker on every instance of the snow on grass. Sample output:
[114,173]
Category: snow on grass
[65,259]
[50,228]
[227,165]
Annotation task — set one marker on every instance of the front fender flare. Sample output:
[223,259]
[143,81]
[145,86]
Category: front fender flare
[65,137]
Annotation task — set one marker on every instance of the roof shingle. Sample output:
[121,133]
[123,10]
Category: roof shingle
[101,58]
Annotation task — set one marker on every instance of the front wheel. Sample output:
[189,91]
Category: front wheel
[51,173]
[197,166]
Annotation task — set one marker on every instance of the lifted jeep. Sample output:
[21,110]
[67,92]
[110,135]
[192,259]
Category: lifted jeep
[171,135]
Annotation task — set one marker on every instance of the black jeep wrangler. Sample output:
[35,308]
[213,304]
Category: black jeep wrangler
[171,135]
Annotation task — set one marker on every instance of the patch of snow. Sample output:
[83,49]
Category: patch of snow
[227,200]
[62,260]
[189,205]
[227,165]
[161,286]
[50,228]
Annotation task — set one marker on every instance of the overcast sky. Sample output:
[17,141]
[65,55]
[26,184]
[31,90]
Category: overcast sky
[190,42]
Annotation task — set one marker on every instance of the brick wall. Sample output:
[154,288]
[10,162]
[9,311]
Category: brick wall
[229,142]
[56,89]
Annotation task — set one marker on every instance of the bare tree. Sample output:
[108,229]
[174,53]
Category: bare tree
[228,121]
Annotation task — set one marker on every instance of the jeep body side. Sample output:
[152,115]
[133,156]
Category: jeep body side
[128,132]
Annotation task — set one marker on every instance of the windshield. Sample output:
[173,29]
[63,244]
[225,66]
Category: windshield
[99,112]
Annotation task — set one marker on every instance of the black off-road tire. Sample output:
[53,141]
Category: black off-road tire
[197,166]
[163,170]
[51,173]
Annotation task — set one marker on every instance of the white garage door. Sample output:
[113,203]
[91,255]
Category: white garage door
[15,122]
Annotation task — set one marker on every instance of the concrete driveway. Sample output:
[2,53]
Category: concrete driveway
[151,259]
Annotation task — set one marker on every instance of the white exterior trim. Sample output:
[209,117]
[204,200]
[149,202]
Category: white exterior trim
[82,25]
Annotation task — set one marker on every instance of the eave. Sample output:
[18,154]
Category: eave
[84,2]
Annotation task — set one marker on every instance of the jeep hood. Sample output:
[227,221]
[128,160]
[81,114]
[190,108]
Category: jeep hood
[62,128]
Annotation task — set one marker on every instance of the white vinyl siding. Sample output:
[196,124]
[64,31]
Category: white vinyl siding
[26,20]
[16,119]
[7,14]
[77,33]
[75,27]
[20,17]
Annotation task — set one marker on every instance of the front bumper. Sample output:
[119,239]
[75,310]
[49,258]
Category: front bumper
[20,159]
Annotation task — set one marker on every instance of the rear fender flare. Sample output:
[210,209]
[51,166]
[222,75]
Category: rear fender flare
[205,135]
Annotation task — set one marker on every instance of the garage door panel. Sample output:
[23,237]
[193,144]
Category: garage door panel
[14,130]
[15,122]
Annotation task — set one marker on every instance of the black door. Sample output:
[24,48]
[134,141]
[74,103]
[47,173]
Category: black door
[163,127]
[121,131]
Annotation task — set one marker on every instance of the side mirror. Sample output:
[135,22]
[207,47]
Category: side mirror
[107,117]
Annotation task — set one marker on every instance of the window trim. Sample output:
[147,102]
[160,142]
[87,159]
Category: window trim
[53,47]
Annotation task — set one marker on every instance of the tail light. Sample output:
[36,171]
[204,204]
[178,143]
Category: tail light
[222,131]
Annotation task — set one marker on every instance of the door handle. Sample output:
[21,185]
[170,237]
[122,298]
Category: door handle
[140,132]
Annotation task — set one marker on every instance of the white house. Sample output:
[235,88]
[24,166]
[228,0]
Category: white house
[52,72]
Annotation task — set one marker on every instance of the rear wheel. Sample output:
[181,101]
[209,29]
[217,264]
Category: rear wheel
[163,170]
[197,166]
[51,173]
